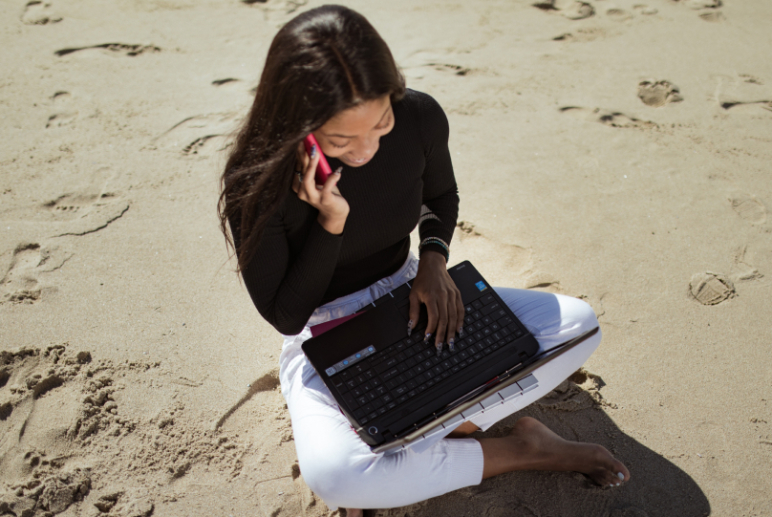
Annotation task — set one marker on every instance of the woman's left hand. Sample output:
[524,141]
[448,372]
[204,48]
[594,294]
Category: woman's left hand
[434,288]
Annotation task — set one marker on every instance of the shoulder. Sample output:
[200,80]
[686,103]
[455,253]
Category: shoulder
[421,105]
[426,113]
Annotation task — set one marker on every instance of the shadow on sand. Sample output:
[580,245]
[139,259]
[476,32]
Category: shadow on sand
[657,487]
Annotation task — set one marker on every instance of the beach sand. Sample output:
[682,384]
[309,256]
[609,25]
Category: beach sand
[609,150]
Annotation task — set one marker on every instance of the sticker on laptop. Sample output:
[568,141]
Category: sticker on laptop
[349,361]
[481,285]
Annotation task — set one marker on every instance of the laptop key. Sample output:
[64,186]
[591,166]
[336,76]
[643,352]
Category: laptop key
[488,309]
[351,401]
[389,374]
[487,299]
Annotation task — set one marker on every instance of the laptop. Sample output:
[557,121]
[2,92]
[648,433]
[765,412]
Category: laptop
[395,389]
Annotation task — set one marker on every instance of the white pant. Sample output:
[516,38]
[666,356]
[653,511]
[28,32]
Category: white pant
[340,468]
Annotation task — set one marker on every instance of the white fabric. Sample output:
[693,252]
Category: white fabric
[342,470]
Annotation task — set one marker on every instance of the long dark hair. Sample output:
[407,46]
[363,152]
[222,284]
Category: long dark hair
[322,62]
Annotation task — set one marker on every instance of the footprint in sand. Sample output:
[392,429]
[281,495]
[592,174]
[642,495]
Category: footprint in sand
[751,79]
[581,35]
[580,391]
[658,93]
[39,13]
[83,213]
[578,11]
[645,9]
[750,106]
[455,69]
[749,208]
[717,16]
[112,48]
[73,213]
[227,80]
[609,118]
[571,9]
[21,283]
[618,15]
[61,119]
[711,288]
[202,135]
[703,4]
[742,266]
[66,115]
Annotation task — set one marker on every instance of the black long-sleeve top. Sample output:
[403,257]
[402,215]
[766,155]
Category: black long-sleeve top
[299,266]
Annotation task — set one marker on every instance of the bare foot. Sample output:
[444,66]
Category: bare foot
[532,446]
[463,430]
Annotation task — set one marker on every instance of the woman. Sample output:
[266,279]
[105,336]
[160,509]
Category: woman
[311,254]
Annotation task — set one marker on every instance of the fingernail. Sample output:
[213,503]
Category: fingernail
[452,345]
[338,170]
[439,348]
[313,151]
[618,484]
[621,476]
[460,330]
[409,328]
[427,337]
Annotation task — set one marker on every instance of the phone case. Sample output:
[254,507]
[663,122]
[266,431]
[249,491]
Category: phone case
[323,169]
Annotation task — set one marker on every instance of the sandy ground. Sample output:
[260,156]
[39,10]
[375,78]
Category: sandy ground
[610,150]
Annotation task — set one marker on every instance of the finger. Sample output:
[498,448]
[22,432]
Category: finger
[309,171]
[332,181]
[452,321]
[461,313]
[442,322]
[431,320]
[414,314]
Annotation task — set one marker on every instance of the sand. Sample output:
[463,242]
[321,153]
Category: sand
[611,150]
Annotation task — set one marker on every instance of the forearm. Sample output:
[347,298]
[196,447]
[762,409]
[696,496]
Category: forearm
[288,292]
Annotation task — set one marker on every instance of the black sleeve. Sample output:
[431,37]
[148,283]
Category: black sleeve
[286,290]
[440,192]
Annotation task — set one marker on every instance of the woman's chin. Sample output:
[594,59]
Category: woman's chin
[355,163]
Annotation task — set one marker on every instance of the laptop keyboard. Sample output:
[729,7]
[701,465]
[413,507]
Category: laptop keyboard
[409,367]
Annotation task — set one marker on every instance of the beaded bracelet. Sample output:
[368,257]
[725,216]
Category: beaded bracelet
[437,241]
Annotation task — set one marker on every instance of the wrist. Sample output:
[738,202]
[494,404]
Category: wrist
[333,225]
[434,244]
[431,257]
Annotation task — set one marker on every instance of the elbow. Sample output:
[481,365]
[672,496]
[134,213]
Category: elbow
[289,328]
[287,325]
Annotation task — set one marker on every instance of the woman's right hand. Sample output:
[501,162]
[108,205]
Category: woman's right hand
[333,207]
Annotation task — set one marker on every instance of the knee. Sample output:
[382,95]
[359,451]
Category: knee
[578,312]
[336,478]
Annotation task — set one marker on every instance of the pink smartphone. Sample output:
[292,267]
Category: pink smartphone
[323,170]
